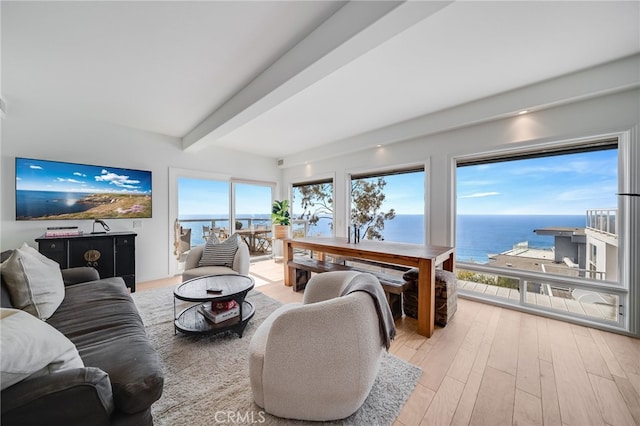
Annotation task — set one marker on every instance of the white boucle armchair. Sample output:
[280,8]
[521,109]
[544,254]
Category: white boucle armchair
[240,266]
[317,360]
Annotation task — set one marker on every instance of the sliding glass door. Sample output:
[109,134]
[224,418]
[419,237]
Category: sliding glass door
[252,213]
[203,207]
[202,203]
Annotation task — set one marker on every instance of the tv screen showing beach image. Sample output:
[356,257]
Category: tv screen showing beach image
[54,190]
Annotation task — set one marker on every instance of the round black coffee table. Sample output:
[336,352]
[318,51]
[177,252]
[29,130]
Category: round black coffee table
[212,288]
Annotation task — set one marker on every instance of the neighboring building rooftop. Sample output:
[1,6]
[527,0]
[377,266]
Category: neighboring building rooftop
[521,256]
[565,231]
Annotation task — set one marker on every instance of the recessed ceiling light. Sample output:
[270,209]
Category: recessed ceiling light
[524,111]
[379,146]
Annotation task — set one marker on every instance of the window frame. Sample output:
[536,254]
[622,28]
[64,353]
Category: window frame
[389,171]
[319,180]
[624,288]
[232,196]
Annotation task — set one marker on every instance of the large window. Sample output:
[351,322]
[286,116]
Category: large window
[540,229]
[312,208]
[389,205]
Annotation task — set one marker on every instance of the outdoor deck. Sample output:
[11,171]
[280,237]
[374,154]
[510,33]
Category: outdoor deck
[592,310]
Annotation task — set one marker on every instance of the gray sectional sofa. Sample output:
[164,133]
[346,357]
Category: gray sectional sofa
[122,374]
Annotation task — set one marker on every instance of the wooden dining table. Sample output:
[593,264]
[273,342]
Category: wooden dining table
[424,257]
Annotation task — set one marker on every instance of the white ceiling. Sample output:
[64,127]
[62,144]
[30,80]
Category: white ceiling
[233,74]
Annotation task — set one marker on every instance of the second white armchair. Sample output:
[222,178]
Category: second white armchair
[240,265]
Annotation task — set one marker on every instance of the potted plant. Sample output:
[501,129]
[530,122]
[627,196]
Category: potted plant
[281,219]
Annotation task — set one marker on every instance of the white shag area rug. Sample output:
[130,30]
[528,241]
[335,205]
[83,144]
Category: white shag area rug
[207,377]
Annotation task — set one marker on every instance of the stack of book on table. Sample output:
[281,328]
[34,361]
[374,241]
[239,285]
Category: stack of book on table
[62,231]
[220,311]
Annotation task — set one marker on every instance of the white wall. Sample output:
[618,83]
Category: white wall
[27,132]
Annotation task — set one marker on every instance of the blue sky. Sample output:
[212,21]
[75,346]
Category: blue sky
[41,175]
[560,185]
[563,185]
[204,197]
[209,197]
[404,193]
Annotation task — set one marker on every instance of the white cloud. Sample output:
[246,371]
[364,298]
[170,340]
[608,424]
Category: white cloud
[117,180]
[601,192]
[35,167]
[480,195]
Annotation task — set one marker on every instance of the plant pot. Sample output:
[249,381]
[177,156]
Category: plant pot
[280,232]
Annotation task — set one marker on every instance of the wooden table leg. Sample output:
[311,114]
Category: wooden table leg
[448,264]
[289,272]
[426,297]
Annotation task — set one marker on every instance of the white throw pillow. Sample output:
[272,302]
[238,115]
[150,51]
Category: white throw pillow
[34,282]
[219,254]
[30,347]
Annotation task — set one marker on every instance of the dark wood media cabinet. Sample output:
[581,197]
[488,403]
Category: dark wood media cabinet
[113,254]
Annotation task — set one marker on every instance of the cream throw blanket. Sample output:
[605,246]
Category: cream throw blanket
[363,282]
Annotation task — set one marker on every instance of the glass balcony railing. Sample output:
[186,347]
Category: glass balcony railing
[565,296]
[603,220]
[202,227]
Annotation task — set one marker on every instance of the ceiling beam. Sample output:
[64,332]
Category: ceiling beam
[352,31]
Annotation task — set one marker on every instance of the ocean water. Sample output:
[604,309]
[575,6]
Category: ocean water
[43,203]
[478,236]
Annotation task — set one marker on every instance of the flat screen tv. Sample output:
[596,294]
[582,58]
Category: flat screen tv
[55,190]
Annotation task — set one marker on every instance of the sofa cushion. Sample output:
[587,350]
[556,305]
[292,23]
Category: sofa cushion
[30,348]
[34,282]
[101,319]
[219,254]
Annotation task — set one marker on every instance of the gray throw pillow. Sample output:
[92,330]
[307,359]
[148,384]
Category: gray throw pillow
[31,347]
[220,253]
[34,282]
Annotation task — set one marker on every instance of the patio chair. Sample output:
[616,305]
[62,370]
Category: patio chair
[263,240]
[206,232]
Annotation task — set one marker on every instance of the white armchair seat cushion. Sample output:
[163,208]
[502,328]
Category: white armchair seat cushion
[206,270]
[240,264]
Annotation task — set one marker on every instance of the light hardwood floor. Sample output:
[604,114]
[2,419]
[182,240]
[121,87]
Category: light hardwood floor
[494,366]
